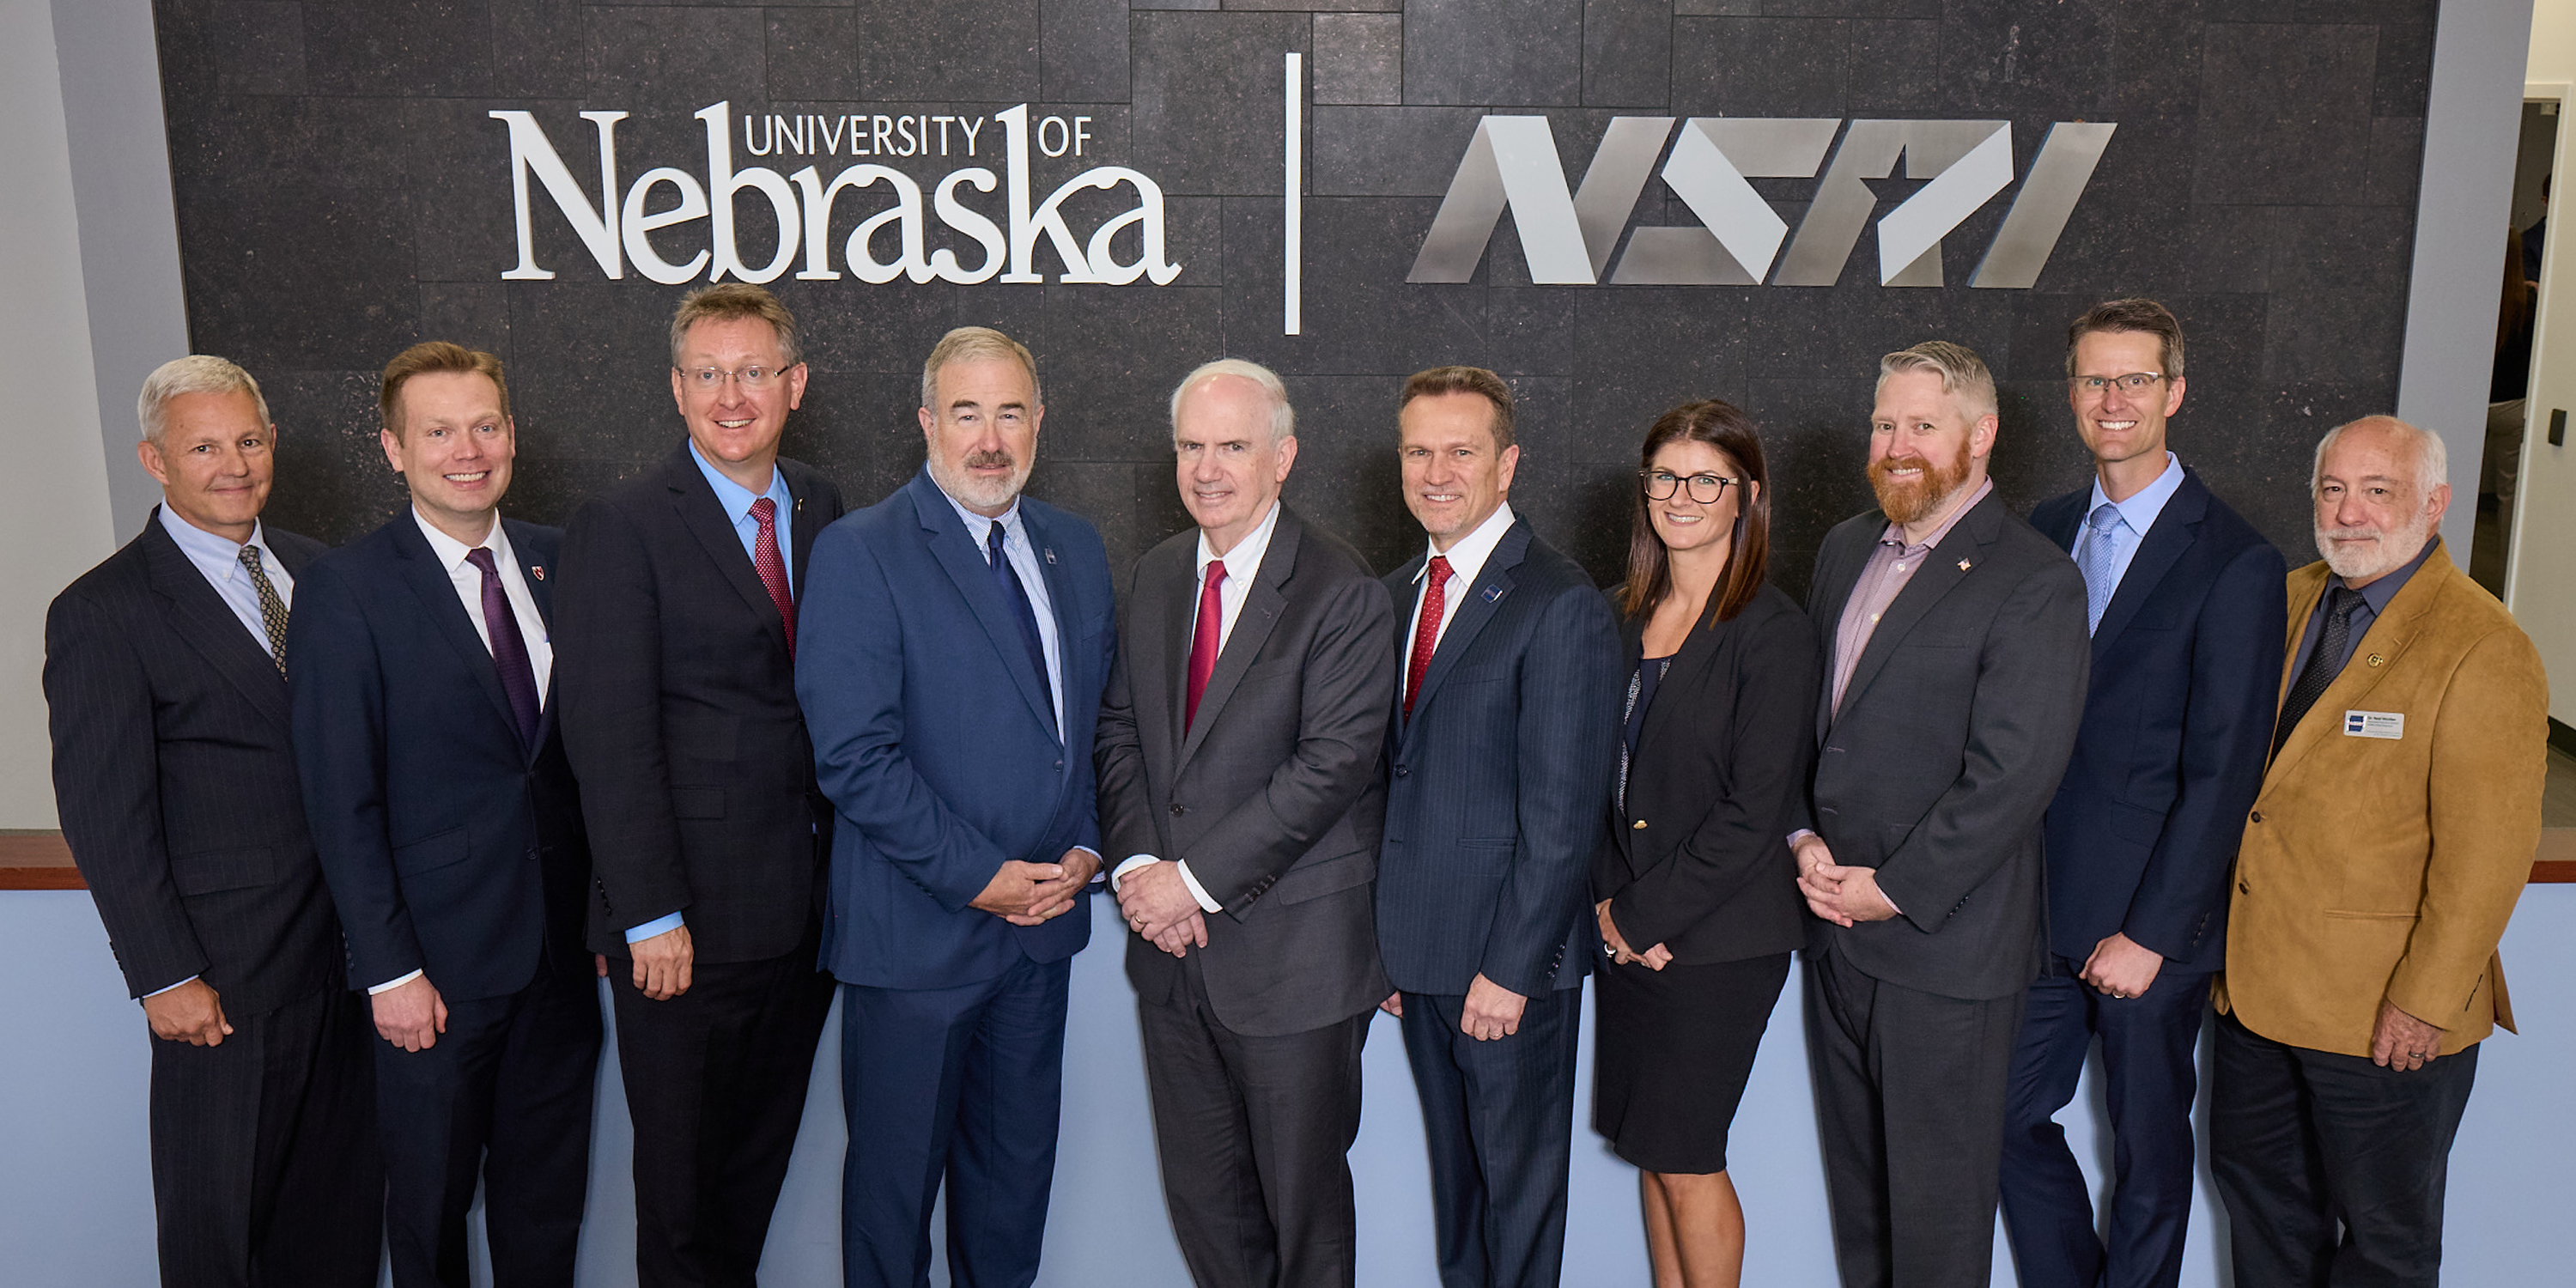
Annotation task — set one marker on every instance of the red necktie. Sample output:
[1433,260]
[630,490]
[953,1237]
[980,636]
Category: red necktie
[1426,633]
[1204,640]
[773,569]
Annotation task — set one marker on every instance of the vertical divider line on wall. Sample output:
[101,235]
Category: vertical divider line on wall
[1294,225]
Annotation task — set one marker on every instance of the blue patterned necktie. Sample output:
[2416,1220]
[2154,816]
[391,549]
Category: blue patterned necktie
[1007,580]
[2096,557]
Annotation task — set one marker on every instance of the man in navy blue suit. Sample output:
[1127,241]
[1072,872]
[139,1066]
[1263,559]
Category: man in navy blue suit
[954,644]
[1500,757]
[451,835]
[2186,608]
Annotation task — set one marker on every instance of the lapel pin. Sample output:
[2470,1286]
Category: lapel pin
[538,571]
[1493,594]
[1963,565]
[2376,659]
[1050,555]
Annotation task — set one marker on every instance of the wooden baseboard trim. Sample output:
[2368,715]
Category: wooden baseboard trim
[43,878]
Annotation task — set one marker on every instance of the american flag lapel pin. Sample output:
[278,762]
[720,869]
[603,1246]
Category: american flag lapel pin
[1493,594]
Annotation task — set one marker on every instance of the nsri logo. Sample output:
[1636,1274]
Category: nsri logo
[1568,237]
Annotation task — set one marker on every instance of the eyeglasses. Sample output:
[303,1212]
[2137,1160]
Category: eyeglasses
[711,379]
[2132,384]
[1704,488]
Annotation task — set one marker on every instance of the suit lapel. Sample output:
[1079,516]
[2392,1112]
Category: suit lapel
[1262,603]
[429,583]
[704,518]
[198,614]
[533,575]
[1699,650]
[1484,599]
[963,560]
[805,524]
[1067,614]
[2163,546]
[1837,575]
[2387,639]
[1944,567]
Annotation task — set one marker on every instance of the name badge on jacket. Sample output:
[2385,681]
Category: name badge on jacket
[2374,724]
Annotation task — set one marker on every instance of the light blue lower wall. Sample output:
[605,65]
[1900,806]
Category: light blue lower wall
[76,1199]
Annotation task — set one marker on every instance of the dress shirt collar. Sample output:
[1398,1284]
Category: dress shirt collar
[734,497]
[451,552]
[1468,555]
[2141,509]
[218,557]
[2378,593]
[1895,534]
[1245,558]
[980,526]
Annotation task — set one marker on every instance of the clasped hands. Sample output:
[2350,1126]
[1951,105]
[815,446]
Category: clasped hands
[1158,905]
[1839,894]
[1029,894]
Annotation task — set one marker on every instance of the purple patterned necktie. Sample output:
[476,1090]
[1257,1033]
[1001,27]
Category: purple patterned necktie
[509,648]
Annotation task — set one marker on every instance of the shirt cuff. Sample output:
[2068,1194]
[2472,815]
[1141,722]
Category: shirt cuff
[657,926]
[1197,891]
[1801,834]
[392,984]
[181,984]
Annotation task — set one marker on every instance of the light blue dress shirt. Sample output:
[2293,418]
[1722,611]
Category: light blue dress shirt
[1024,561]
[736,500]
[2137,514]
[220,560]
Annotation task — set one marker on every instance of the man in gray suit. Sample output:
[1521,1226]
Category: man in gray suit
[1239,791]
[1956,645]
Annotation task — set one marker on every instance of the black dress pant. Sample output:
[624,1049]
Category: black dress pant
[715,1083]
[504,1096]
[1254,1134]
[2332,1168]
[1498,1117]
[2149,1081]
[265,1169]
[1910,1108]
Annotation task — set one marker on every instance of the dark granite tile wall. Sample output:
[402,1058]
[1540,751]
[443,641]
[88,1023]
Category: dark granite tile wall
[342,192]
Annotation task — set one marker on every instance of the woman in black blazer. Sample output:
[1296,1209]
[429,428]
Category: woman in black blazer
[1696,893]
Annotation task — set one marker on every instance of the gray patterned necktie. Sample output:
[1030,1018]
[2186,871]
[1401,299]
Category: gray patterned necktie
[272,610]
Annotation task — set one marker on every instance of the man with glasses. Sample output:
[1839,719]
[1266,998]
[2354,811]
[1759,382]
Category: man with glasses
[2184,601]
[676,631]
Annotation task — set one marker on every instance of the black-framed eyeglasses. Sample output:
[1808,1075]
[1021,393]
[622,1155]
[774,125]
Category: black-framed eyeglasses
[711,379]
[2132,384]
[1703,488]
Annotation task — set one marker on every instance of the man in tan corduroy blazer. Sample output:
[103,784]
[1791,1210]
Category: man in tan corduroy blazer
[2395,829]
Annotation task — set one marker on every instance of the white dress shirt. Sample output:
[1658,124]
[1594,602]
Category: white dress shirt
[1466,559]
[468,581]
[1242,564]
[1024,562]
[219,558]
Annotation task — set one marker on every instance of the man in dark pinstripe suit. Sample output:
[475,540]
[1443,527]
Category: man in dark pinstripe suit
[165,676]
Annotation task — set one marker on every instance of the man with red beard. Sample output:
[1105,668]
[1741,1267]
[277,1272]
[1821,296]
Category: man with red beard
[1955,638]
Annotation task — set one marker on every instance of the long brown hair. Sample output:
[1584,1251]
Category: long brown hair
[1725,427]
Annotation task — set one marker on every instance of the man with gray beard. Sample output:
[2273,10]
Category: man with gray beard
[952,651]
[2393,834]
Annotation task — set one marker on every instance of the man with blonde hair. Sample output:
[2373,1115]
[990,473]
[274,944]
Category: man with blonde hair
[1955,656]
[677,627]
[956,642]
[2392,835]
[174,772]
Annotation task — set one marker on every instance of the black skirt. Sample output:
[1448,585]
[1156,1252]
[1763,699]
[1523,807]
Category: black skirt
[1673,1051]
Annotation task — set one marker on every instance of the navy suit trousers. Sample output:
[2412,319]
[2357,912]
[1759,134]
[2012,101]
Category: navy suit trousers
[2149,1081]
[1499,1120]
[961,1084]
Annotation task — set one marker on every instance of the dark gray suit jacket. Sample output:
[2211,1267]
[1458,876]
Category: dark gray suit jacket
[1272,795]
[175,777]
[1952,735]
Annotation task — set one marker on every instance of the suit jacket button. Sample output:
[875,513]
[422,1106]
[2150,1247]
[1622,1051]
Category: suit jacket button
[2242,888]
[2258,816]
[1179,809]
[1401,771]
[1638,826]
[1059,764]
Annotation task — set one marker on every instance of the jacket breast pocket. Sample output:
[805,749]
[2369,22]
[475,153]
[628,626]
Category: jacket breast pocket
[430,853]
[208,871]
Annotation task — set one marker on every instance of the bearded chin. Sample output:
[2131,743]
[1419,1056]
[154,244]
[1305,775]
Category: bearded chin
[2395,546]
